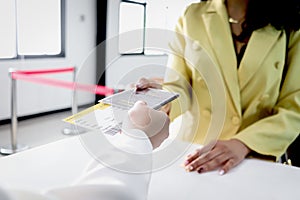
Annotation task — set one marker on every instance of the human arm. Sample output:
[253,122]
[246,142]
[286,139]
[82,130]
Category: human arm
[274,133]
[155,124]
[274,111]
[111,175]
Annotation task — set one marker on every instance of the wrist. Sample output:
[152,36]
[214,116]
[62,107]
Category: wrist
[243,147]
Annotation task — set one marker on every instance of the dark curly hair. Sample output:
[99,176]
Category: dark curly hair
[280,14]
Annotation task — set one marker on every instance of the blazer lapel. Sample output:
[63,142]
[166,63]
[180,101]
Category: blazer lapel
[259,45]
[219,34]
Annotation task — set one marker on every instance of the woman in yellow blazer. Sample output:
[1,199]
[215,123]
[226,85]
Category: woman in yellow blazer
[245,42]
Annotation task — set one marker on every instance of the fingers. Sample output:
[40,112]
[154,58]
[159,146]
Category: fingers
[223,156]
[200,152]
[227,166]
[191,157]
[139,114]
[155,124]
[145,83]
[211,165]
[145,118]
[207,162]
[159,122]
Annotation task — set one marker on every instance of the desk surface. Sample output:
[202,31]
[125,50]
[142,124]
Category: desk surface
[46,166]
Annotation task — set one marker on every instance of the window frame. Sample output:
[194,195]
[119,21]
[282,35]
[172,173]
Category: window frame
[144,28]
[63,40]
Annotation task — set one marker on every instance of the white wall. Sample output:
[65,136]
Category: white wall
[80,41]
[162,16]
[118,67]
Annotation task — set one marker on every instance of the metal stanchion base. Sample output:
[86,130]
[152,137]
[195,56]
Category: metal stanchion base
[72,131]
[7,150]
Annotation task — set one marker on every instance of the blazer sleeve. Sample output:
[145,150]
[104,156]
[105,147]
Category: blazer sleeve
[177,77]
[272,135]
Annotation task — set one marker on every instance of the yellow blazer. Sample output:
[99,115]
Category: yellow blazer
[257,112]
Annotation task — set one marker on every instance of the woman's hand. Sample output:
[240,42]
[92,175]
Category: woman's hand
[222,155]
[155,124]
[156,83]
[144,83]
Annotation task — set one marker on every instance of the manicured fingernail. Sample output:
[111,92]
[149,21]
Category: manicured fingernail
[186,162]
[141,102]
[200,170]
[190,168]
[139,85]
[221,172]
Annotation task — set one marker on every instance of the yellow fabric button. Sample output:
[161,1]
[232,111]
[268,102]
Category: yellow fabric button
[277,64]
[206,113]
[199,79]
[235,120]
[196,46]
[265,97]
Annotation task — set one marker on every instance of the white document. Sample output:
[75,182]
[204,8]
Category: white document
[108,115]
[155,98]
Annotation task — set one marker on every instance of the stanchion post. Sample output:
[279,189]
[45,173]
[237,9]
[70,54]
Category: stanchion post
[74,94]
[14,118]
[73,130]
[14,147]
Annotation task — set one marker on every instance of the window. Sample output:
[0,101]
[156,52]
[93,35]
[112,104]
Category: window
[8,32]
[159,14]
[31,28]
[162,17]
[131,27]
[164,14]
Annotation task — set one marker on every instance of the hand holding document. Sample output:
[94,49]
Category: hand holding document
[109,113]
[155,124]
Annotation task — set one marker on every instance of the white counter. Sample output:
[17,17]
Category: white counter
[61,162]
